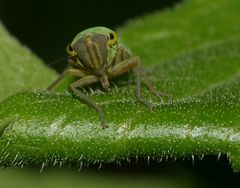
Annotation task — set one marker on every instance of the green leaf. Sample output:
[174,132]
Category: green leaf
[19,68]
[190,25]
[190,54]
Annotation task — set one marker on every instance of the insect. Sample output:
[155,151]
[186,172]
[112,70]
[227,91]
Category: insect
[96,56]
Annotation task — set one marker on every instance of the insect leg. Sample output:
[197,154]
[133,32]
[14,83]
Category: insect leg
[126,65]
[72,71]
[123,66]
[82,82]
[137,70]
[152,87]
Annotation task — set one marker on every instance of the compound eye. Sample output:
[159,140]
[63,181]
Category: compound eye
[112,38]
[70,50]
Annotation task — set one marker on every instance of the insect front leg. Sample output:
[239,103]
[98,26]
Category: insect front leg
[71,71]
[132,63]
[86,81]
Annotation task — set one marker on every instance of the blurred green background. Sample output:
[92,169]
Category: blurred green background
[46,27]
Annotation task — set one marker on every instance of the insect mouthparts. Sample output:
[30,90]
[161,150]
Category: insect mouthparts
[104,81]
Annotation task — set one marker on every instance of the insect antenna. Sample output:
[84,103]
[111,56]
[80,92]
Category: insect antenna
[58,60]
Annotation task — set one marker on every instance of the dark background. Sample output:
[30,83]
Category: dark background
[47,26]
